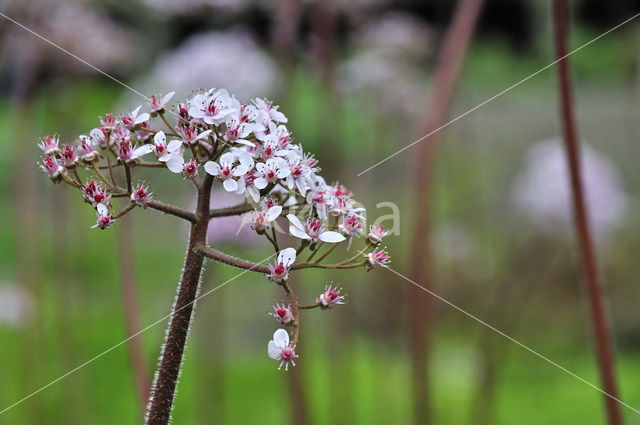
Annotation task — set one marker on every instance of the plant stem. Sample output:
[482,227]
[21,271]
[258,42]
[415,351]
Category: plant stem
[604,349]
[161,400]
[131,308]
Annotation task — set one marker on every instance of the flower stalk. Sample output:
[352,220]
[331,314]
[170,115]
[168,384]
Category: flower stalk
[447,72]
[592,275]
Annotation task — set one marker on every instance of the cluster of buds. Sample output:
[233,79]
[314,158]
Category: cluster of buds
[246,149]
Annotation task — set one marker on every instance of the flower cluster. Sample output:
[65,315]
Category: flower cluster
[214,140]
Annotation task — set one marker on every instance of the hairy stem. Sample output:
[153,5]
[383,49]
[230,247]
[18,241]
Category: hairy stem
[604,350]
[161,400]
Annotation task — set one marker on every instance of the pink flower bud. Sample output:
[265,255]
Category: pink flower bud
[141,196]
[375,235]
[282,313]
[377,258]
[330,297]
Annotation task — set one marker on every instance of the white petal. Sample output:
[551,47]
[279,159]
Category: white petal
[287,256]
[246,160]
[175,163]
[212,168]
[196,112]
[240,170]
[135,111]
[255,194]
[295,221]
[102,209]
[273,350]
[298,233]
[283,172]
[245,142]
[331,237]
[261,167]
[160,138]
[274,212]
[302,188]
[228,157]
[142,118]
[230,185]
[281,337]
[260,182]
[174,145]
[242,185]
[203,135]
[142,150]
[167,97]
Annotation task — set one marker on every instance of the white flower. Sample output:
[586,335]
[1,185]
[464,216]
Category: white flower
[312,231]
[268,107]
[272,170]
[134,119]
[237,131]
[226,170]
[159,105]
[261,220]
[279,349]
[212,108]
[280,270]
[249,184]
[104,218]
[162,150]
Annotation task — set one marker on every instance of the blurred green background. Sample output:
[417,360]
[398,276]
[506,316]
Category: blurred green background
[354,80]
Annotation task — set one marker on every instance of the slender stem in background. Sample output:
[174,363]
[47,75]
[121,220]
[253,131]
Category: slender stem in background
[161,399]
[108,154]
[603,342]
[229,211]
[131,308]
[450,61]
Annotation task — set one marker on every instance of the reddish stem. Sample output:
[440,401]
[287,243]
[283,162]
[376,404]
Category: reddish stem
[447,72]
[131,308]
[599,322]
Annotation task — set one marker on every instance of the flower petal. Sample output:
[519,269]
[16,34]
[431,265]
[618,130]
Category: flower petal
[298,233]
[230,185]
[281,337]
[174,145]
[102,209]
[142,150]
[295,221]
[272,350]
[273,213]
[331,237]
[287,256]
[142,118]
[212,168]
[175,163]
[160,138]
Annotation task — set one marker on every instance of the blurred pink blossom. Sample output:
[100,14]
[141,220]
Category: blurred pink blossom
[231,59]
[541,191]
[234,229]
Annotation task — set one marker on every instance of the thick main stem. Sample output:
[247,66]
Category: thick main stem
[449,65]
[603,343]
[161,400]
